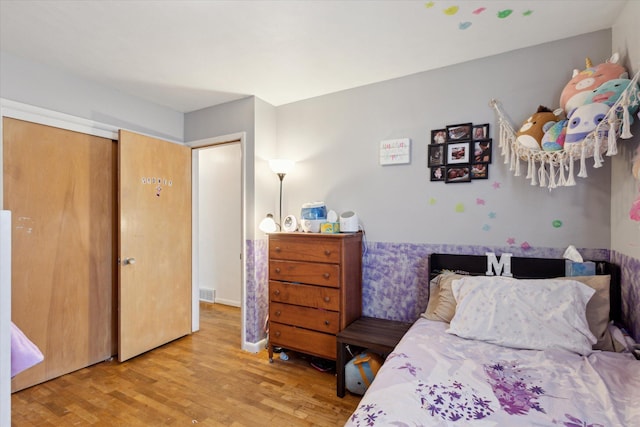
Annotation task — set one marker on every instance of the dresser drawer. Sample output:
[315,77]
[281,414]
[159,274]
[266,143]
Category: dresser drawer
[305,249]
[303,340]
[313,273]
[305,317]
[305,295]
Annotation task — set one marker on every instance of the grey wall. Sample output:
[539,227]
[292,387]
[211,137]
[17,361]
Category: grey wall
[266,182]
[42,86]
[335,140]
[625,233]
[226,119]
[258,119]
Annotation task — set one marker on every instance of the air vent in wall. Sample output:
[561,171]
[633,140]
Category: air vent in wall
[207,295]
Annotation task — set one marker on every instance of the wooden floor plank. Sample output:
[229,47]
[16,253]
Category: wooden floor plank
[203,379]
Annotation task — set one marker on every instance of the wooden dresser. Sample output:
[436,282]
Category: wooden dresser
[315,290]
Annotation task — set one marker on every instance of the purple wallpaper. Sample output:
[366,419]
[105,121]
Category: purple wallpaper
[396,275]
[395,280]
[630,279]
[257,293]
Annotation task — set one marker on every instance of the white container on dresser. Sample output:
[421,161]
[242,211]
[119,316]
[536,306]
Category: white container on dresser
[315,290]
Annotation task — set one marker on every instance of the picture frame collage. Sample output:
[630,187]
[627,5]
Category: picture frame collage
[459,153]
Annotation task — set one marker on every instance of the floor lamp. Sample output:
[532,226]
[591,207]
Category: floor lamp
[281,167]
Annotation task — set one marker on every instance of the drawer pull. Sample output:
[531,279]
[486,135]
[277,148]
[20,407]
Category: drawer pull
[277,333]
[326,322]
[326,275]
[276,292]
[327,299]
[327,252]
[278,313]
[278,270]
[277,249]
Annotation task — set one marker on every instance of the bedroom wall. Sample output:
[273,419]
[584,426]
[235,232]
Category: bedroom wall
[54,89]
[335,140]
[625,233]
[257,119]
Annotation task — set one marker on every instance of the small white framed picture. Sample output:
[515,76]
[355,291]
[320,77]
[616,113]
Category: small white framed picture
[458,153]
[395,151]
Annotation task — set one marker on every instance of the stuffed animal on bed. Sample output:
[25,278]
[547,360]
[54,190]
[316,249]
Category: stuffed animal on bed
[583,82]
[360,372]
[533,129]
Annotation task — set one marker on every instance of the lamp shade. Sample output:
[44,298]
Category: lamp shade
[283,166]
[268,225]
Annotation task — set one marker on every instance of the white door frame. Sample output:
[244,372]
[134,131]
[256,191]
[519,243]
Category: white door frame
[208,142]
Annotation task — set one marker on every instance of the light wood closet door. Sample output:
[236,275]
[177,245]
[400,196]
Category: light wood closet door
[61,187]
[155,243]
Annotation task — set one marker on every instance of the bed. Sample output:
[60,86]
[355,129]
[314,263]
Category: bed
[527,350]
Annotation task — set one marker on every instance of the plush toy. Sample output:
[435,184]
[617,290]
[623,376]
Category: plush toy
[360,372]
[609,93]
[583,82]
[553,139]
[583,120]
[533,129]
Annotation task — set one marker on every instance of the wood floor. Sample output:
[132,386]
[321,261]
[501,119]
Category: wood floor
[202,379]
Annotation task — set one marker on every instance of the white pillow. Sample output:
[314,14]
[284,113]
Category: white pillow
[527,314]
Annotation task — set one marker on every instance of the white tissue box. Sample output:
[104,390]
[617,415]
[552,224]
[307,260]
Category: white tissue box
[572,268]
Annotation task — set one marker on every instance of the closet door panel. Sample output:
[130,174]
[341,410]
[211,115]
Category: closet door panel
[154,284]
[61,187]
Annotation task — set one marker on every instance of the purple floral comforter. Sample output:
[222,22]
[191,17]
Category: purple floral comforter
[436,379]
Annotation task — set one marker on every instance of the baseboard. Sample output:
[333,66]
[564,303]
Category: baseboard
[255,347]
[227,302]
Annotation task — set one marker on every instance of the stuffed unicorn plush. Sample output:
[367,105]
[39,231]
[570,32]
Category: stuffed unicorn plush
[583,82]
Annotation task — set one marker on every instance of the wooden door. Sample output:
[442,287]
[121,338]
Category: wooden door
[155,243]
[61,188]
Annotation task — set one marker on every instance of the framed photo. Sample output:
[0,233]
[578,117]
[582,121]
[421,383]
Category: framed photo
[438,173]
[481,131]
[459,132]
[479,171]
[436,155]
[458,173]
[458,152]
[482,151]
[438,136]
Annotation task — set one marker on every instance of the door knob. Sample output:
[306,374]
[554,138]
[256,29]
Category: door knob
[129,261]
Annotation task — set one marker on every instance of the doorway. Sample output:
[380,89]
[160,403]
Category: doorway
[218,224]
[220,208]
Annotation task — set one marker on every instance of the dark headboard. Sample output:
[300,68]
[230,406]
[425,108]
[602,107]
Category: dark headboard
[527,268]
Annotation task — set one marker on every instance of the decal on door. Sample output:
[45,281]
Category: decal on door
[158,182]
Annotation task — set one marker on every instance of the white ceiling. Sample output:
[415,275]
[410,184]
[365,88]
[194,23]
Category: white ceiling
[188,55]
